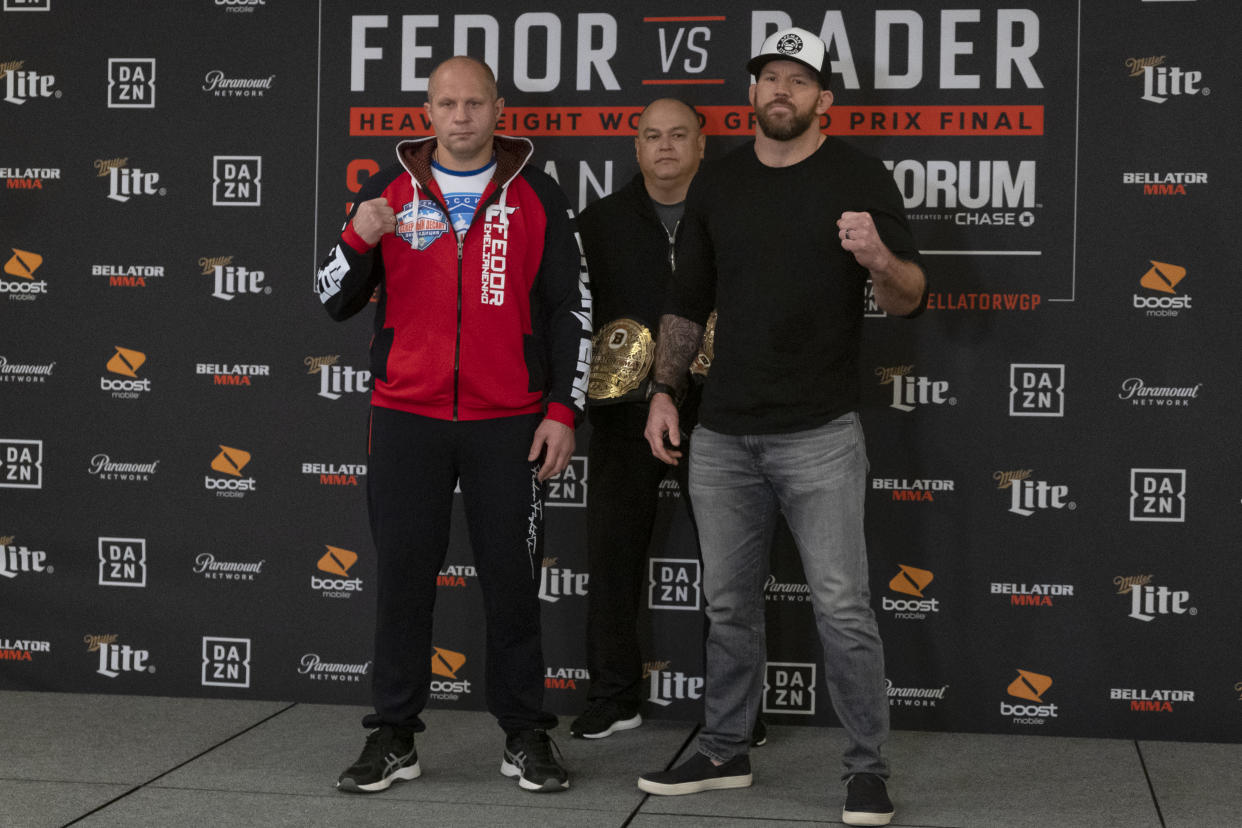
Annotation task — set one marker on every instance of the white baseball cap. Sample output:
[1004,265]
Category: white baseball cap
[797,45]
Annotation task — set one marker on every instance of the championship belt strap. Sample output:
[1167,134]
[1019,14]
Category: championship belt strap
[707,351]
[622,355]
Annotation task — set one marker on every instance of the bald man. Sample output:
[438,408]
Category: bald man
[628,238]
[482,329]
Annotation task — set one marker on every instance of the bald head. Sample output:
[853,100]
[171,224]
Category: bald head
[669,146]
[464,66]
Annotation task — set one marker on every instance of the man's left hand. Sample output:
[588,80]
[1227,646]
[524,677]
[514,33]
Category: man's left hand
[859,236]
[557,440]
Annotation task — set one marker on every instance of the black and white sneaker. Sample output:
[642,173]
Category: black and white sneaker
[866,801]
[603,717]
[387,757]
[530,757]
[698,773]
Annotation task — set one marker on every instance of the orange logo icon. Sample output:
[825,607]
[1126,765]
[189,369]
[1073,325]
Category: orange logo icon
[1163,277]
[23,264]
[337,561]
[1030,686]
[910,580]
[230,461]
[446,662]
[126,362]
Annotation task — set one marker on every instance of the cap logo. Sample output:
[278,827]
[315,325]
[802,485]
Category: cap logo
[790,44]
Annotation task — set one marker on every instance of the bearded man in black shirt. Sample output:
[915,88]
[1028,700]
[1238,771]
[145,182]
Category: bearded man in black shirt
[780,237]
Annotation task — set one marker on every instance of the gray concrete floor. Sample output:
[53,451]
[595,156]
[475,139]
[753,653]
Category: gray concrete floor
[68,759]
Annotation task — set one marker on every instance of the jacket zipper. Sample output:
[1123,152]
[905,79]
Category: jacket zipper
[461,243]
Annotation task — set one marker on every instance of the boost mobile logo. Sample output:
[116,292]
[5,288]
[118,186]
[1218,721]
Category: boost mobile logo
[126,363]
[337,561]
[910,581]
[23,264]
[131,83]
[1158,495]
[230,461]
[226,662]
[1162,278]
[123,562]
[446,663]
[1029,687]
[237,181]
[789,688]
[676,584]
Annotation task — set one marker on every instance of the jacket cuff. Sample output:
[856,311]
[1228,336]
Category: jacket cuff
[561,413]
[351,238]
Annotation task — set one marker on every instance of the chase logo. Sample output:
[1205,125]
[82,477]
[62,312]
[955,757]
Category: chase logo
[123,562]
[131,83]
[21,464]
[789,688]
[226,662]
[421,225]
[237,181]
[569,488]
[1036,390]
[676,584]
[1158,495]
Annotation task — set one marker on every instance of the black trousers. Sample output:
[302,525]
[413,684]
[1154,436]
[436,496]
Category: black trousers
[414,464]
[621,511]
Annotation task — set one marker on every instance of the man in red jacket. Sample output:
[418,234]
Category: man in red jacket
[480,356]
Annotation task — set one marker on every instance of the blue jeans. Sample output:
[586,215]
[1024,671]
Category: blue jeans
[817,479]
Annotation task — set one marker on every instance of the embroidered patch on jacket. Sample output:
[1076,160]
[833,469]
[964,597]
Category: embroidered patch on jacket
[421,226]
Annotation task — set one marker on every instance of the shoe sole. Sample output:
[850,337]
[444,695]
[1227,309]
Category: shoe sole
[865,818]
[615,727]
[513,771]
[697,786]
[348,785]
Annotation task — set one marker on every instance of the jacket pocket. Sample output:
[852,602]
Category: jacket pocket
[381,345]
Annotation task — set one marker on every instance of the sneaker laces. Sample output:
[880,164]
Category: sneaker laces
[541,748]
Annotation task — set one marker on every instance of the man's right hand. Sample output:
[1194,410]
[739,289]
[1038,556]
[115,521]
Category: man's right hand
[373,219]
[662,423]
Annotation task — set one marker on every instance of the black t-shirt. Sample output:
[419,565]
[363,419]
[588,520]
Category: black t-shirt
[760,245]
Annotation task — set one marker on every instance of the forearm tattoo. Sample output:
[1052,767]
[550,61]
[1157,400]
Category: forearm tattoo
[676,345]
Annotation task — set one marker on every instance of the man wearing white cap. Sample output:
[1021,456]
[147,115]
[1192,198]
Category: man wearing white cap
[780,237]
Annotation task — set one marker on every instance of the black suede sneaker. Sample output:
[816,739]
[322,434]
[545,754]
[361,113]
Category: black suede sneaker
[603,717]
[387,757]
[696,774]
[529,756]
[866,801]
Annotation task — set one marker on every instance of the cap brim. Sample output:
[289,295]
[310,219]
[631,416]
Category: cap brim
[756,64]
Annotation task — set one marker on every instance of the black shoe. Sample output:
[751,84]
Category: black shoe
[388,756]
[759,736]
[603,717]
[529,756]
[696,774]
[866,801]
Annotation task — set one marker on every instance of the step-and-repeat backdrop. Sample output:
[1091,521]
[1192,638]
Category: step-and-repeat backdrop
[1053,506]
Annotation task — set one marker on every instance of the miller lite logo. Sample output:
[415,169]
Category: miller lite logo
[1036,390]
[1158,495]
[675,584]
[21,84]
[226,662]
[1028,496]
[237,181]
[668,686]
[911,391]
[557,582]
[123,562]
[126,182]
[131,83]
[789,688]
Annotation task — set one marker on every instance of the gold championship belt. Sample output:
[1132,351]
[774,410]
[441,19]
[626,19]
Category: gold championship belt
[622,354]
[707,351]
